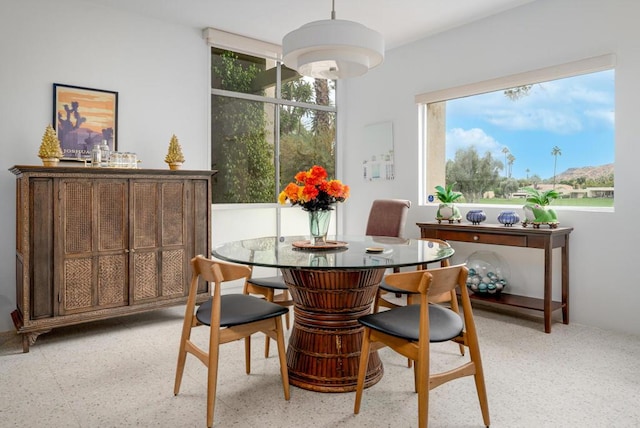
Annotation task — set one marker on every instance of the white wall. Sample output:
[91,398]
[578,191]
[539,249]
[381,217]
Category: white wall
[544,33]
[160,71]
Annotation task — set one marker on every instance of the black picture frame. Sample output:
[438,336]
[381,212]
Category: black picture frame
[83,117]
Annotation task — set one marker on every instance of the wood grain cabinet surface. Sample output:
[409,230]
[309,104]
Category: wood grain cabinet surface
[95,243]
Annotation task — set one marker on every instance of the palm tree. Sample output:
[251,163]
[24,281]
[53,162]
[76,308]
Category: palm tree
[527,171]
[505,150]
[555,152]
[512,159]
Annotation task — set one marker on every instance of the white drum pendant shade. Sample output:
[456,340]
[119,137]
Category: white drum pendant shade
[333,49]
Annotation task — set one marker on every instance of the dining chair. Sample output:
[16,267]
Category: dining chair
[387,217]
[409,330]
[272,289]
[230,317]
[384,289]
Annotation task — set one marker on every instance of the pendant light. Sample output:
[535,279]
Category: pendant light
[332,48]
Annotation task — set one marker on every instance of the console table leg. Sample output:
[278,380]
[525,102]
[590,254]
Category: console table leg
[548,279]
[565,281]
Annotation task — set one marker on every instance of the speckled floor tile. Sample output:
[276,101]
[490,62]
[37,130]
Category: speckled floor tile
[120,373]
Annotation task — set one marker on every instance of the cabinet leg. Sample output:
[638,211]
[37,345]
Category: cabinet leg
[25,343]
[29,339]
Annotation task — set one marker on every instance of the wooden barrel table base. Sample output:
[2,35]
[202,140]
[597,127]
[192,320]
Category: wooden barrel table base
[324,347]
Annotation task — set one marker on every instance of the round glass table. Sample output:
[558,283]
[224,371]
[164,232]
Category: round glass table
[331,288]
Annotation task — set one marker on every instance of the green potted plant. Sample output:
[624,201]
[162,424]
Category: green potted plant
[447,210]
[537,210]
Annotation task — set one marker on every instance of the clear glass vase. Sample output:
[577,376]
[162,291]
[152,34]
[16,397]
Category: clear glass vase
[319,226]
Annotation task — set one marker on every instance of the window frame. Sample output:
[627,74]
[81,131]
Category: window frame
[228,41]
[428,150]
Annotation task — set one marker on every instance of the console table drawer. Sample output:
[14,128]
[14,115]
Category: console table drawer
[484,238]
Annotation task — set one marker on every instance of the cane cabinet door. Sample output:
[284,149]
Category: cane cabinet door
[159,240]
[93,249]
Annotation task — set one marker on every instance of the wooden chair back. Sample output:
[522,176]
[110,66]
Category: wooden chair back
[387,217]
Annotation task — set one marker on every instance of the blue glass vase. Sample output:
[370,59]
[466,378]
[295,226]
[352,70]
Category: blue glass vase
[508,217]
[476,216]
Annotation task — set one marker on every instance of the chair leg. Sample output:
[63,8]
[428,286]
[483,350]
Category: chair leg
[376,304]
[247,354]
[409,302]
[422,385]
[284,372]
[456,308]
[362,368]
[212,374]
[285,296]
[182,358]
[269,297]
[182,352]
[266,346]
[474,351]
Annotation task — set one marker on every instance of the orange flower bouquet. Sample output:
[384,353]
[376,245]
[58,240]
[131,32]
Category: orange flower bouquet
[313,192]
[316,195]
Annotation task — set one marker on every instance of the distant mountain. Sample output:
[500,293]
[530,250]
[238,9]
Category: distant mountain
[589,172]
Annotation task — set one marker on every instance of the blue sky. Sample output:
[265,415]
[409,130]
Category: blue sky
[576,114]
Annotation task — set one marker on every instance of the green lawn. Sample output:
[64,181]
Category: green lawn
[582,202]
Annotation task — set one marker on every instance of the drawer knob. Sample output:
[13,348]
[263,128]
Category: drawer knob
[476,237]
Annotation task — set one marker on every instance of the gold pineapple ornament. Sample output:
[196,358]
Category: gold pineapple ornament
[174,157]
[50,151]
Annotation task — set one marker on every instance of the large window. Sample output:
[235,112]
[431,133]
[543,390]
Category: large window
[267,123]
[551,128]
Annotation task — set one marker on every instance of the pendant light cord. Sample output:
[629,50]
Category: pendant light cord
[333,9]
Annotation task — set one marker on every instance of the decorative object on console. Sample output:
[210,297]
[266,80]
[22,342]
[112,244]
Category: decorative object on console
[317,195]
[50,151]
[536,209]
[476,216]
[447,209]
[488,272]
[174,157]
[508,217]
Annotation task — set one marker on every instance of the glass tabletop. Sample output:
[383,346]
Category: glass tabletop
[344,252]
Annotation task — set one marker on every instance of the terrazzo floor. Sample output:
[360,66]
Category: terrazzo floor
[120,372]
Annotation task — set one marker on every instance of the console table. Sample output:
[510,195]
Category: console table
[516,236]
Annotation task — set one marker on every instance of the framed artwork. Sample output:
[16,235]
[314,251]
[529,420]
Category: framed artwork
[83,117]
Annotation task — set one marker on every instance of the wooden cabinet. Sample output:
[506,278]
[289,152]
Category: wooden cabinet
[94,243]
[542,238]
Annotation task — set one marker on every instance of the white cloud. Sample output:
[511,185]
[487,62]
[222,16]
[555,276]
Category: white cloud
[606,116]
[458,138]
[556,121]
[564,106]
